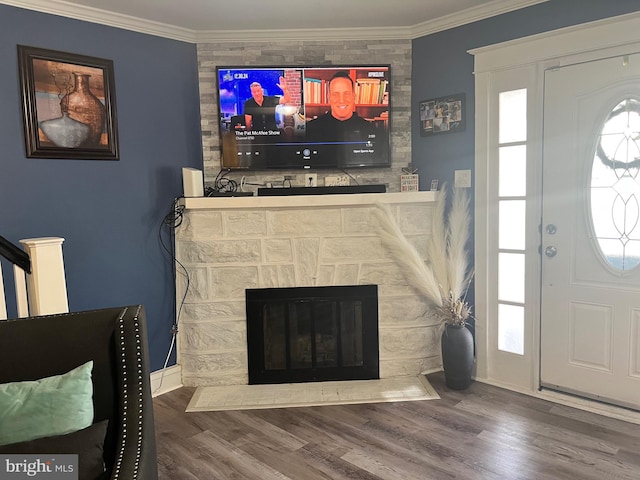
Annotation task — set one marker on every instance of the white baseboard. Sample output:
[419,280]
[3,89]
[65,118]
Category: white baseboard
[587,405]
[166,380]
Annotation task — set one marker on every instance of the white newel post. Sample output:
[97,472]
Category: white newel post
[46,285]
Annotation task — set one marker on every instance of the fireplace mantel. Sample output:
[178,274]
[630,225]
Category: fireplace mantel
[343,200]
[230,244]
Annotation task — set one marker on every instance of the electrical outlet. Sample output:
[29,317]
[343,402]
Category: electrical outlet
[462,178]
[336,180]
[310,179]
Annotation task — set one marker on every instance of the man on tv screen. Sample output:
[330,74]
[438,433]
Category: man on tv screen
[341,123]
[260,109]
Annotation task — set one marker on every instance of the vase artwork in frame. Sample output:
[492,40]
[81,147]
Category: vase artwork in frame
[68,105]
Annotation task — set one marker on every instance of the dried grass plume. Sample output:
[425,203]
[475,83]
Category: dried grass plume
[445,276]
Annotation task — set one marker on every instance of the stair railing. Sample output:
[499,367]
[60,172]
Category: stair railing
[38,275]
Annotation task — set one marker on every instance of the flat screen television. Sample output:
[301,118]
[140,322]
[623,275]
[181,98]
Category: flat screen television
[304,117]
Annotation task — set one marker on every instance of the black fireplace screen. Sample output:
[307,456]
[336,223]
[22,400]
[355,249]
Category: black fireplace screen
[306,334]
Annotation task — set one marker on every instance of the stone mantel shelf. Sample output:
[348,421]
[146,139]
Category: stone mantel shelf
[293,201]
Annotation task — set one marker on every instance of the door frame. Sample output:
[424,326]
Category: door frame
[507,66]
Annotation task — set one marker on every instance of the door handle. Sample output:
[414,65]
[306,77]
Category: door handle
[550,251]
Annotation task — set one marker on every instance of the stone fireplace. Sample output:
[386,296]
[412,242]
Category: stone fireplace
[229,245]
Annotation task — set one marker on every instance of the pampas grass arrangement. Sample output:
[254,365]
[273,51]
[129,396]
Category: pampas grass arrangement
[444,278]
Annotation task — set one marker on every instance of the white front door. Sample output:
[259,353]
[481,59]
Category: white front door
[590,231]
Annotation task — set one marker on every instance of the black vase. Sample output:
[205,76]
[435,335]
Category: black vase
[457,356]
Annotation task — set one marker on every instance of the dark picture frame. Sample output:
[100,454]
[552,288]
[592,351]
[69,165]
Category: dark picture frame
[68,103]
[442,115]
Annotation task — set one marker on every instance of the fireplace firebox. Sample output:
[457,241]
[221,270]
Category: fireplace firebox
[308,334]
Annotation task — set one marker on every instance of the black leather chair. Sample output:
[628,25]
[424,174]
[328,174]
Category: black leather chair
[115,339]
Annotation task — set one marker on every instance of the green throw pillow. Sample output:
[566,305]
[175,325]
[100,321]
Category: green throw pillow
[46,407]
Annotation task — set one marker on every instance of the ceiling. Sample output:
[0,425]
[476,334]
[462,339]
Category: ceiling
[246,20]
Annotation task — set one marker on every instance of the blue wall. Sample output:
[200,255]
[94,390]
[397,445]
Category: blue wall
[108,212]
[442,66]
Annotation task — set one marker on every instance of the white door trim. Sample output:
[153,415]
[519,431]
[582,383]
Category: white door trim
[565,46]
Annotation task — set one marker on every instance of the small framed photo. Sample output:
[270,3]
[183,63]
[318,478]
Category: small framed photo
[68,104]
[442,115]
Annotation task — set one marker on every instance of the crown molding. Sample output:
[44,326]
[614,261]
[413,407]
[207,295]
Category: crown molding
[103,17]
[470,15]
[324,34]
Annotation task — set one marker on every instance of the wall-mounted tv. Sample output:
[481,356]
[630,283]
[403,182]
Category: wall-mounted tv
[304,117]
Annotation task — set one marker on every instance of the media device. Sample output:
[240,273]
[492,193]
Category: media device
[304,117]
[192,182]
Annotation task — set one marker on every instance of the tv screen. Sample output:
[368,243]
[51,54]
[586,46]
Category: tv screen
[304,117]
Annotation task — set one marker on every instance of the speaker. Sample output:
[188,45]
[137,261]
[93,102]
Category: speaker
[192,182]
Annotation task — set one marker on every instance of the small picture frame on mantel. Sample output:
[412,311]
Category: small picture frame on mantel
[442,115]
[68,105]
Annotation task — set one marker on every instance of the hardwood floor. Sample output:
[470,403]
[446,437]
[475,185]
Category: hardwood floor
[482,433]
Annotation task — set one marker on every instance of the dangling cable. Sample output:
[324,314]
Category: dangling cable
[171,221]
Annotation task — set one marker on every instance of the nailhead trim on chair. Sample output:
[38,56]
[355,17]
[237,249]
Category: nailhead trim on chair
[125,393]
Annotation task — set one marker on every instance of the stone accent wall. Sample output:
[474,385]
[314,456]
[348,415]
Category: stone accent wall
[396,53]
[228,245]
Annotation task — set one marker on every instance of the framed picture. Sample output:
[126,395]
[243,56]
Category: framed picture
[68,103]
[442,115]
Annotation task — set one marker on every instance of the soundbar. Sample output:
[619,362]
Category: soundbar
[337,190]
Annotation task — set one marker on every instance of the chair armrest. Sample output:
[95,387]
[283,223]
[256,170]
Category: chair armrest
[136,453]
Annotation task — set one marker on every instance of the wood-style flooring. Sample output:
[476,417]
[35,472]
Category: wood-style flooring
[482,433]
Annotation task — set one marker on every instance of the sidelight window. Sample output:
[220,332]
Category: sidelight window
[512,181]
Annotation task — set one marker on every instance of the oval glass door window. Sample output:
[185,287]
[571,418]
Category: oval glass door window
[615,187]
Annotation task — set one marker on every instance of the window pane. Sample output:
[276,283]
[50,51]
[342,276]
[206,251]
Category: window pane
[513,171]
[513,116]
[631,255]
[351,333]
[300,335]
[511,277]
[275,355]
[615,186]
[511,223]
[326,334]
[511,329]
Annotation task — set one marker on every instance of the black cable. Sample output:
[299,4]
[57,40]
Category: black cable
[349,175]
[172,220]
[222,184]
